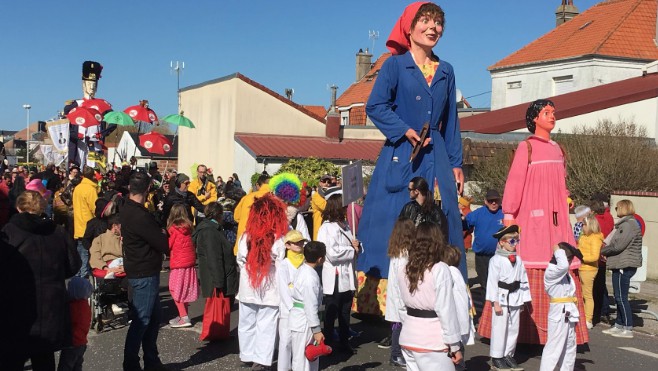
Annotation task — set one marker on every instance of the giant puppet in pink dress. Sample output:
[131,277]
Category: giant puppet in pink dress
[535,198]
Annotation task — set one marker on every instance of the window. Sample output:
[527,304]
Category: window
[513,93]
[345,118]
[562,84]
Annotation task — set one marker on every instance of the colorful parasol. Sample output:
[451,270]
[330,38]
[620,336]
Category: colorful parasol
[85,117]
[155,143]
[100,105]
[178,120]
[118,118]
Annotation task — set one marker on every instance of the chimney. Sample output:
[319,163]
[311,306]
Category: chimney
[332,105]
[363,63]
[332,127]
[565,12]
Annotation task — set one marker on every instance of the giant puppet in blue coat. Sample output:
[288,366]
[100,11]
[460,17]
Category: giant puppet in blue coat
[413,87]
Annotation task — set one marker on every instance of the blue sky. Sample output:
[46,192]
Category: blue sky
[306,45]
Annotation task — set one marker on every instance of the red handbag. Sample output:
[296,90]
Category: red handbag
[216,318]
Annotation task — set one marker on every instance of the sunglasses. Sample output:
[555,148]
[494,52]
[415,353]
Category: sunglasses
[514,241]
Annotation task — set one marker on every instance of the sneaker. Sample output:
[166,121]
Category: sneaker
[174,321]
[500,364]
[118,310]
[589,325]
[385,343]
[612,330]
[626,334]
[182,322]
[511,362]
[398,362]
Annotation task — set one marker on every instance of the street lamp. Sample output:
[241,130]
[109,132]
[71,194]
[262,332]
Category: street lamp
[27,135]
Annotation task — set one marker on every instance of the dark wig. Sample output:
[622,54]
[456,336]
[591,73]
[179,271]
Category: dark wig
[533,111]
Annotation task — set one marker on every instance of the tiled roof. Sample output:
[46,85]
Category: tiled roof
[283,146]
[567,105]
[319,111]
[476,151]
[264,89]
[613,28]
[360,90]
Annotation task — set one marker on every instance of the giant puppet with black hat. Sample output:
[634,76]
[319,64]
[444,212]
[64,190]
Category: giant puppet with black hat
[88,129]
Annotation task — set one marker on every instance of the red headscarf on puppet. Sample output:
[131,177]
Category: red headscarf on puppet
[267,222]
[398,42]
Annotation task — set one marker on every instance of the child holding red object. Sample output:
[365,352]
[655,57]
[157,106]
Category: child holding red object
[304,322]
[183,283]
[79,291]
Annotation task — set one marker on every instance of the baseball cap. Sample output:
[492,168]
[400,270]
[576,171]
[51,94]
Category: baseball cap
[294,236]
[492,194]
[325,177]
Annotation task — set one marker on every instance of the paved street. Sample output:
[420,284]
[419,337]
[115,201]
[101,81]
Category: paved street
[180,349]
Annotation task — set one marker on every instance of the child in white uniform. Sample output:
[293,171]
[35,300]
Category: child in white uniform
[463,301]
[286,271]
[402,239]
[307,297]
[560,348]
[507,290]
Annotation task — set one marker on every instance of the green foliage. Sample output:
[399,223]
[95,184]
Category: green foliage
[605,158]
[310,169]
[254,179]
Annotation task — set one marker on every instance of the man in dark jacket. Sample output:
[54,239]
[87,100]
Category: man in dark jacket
[422,208]
[180,195]
[144,243]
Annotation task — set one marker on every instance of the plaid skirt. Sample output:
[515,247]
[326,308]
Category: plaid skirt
[533,328]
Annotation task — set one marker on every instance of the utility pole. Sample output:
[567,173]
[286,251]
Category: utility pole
[27,135]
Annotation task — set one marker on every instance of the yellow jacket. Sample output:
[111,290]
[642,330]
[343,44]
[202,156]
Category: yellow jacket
[84,205]
[590,247]
[211,191]
[241,212]
[318,203]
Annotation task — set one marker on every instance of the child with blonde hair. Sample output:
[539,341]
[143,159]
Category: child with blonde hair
[589,244]
[183,283]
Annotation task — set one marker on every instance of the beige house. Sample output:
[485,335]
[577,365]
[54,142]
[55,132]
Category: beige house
[235,105]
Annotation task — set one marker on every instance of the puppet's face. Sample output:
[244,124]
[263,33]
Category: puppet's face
[89,88]
[546,119]
[426,32]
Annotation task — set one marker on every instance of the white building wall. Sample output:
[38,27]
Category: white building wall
[643,113]
[538,81]
[247,165]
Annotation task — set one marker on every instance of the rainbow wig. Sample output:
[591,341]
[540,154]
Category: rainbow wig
[288,188]
[267,222]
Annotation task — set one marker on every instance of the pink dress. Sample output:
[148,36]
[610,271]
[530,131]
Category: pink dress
[536,196]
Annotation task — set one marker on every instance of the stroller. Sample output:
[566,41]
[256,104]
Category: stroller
[109,301]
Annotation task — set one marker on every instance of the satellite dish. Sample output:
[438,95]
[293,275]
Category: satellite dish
[459,97]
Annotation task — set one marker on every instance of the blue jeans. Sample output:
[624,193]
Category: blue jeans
[145,313]
[396,350]
[84,256]
[621,281]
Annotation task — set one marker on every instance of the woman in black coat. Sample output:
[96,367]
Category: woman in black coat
[217,266]
[52,257]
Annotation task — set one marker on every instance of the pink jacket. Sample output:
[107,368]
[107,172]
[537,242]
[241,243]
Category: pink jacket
[181,247]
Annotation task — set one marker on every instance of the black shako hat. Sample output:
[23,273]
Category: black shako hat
[506,230]
[91,71]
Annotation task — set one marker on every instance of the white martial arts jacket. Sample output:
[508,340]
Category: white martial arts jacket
[268,292]
[285,275]
[306,293]
[501,269]
[339,259]
[393,309]
[462,304]
[559,284]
